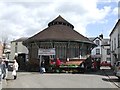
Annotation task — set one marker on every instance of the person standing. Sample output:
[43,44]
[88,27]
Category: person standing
[58,63]
[42,68]
[6,67]
[3,66]
[15,68]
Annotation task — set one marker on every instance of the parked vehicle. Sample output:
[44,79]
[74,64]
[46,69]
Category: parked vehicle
[117,69]
[105,63]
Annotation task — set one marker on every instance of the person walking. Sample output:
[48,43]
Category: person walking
[6,65]
[15,69]
[3,66]
[42,68]
[0,69]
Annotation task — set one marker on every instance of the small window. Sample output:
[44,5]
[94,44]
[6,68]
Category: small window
[68,24]
[118,40]
[64,23]
[97,51]
[114,43]
[117,63]
[108,51]
[55,23]
[107,59]
[60,22]
[16,43]
[15,49]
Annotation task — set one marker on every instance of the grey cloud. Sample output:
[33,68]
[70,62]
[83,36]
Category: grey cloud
[28,18]
[71,8]
[33,4]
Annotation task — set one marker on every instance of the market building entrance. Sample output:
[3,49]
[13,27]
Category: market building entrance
[45,54]
[47,62]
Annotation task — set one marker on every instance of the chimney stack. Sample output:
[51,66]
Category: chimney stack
[101,36]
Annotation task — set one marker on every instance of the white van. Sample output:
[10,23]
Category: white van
[117,69]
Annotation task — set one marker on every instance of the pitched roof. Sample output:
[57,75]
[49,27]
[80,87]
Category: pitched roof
[59,18]
[61,30]
[114,28]
[20,39]
[106,41]
[95,38]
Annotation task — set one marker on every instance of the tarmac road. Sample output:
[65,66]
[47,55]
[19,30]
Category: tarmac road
[37,80]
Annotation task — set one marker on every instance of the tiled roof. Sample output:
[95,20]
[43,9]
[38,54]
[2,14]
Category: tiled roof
[61,31]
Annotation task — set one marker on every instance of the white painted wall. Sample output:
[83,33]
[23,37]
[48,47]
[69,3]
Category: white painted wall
[119,38]
[93,52]
[104,53]
[114,49]
[20,49]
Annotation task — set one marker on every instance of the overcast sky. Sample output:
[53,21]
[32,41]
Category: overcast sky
[24,18]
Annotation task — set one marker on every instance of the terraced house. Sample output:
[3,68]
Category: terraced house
[102,51]
[115,43]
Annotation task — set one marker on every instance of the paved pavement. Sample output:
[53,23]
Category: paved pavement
[36,80]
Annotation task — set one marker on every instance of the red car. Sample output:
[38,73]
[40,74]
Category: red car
[105,63]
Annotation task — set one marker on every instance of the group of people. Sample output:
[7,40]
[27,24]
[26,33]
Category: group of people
[4,68]
[42,66]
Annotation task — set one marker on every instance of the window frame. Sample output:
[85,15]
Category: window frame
[97,51]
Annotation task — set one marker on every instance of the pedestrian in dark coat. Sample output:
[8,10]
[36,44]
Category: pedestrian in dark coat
[42,68]
[0,69]
[3,69]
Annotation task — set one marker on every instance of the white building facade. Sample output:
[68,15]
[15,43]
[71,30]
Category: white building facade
[115,43]
[105,53]
[96,52]
[119,40]
[102,51]
[18,48]
[20,52]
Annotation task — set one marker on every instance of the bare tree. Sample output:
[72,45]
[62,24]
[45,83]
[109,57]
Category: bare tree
[4,41]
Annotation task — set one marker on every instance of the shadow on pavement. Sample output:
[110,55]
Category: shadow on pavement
[111,79]
[8,79]
[102,71]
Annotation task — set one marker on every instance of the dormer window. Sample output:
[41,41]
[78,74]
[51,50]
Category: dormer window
[60,22]
[97,42]
[68,24]
[64,23]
